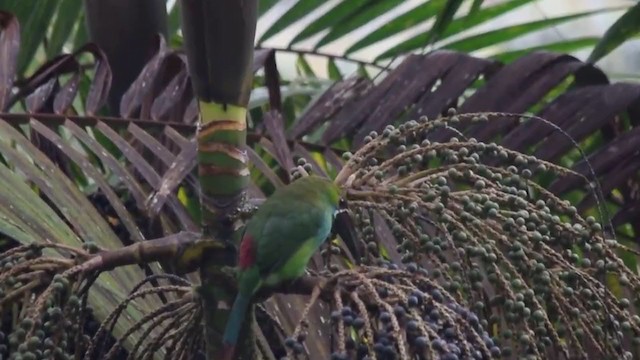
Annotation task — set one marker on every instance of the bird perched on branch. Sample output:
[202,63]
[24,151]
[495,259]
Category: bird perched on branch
[279,241]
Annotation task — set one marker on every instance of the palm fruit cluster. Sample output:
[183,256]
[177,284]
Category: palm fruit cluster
[542,278]
[44,312]
[392,312]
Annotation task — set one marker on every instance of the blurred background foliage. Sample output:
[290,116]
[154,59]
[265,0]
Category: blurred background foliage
[371,32]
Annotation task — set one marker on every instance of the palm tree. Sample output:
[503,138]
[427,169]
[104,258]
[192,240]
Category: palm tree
[453,242]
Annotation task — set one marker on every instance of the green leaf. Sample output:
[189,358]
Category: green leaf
[443,20]
[362,71]
[406,20]
[72,221]
[366,15]
[475,6]
[265,5]
[295,13]
[341,13]
[173,21]
[33,28]
[303,68]
[629,258]
[332,69]
[17,8]
[26,208]
[566,46]
[624,28]
[82,36]
[66,18]
[456,26]
[511,32]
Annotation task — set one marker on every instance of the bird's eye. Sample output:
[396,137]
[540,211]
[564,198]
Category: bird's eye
[342,204]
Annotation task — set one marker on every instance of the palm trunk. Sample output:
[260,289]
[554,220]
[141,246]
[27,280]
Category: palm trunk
[219,40]
[222,163]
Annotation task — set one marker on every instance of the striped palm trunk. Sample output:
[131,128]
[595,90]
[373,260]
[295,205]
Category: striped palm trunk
[219,41]
[222,162]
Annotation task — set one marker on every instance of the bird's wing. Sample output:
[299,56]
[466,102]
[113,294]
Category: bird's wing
[286,231]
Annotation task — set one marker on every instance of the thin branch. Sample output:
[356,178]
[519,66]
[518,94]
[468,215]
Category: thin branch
[162,249]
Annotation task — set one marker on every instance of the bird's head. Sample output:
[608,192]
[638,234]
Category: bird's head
[326,190]
[319,189]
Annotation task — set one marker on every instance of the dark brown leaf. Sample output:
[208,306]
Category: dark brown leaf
[191,113]
[582,112]
[89,170]
[182,165]
[176,137]
[274,124]
[344,227]
[172,102]
[386,237]
[328,104]
[564,111]
[509,89]
[116,123]
[517,87]
[628,214]
[38,99]
[51,69]
[333,159]
[78,211]
[148,173]
[619,176]
[158,150]
[602,160]
[67,93]
[132,98]
[267,146]
[260,57]
[355,113]
[135,189]
[170,68]
[409,86]
[257,161]
[454,81]
[101,82]
[272,81]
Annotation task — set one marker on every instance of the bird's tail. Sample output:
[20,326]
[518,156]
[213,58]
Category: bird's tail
[234,324]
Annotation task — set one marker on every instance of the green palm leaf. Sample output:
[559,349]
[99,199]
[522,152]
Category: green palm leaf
[501,35]
[623,29]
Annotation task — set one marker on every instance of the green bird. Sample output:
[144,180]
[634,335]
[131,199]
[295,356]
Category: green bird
[279,241]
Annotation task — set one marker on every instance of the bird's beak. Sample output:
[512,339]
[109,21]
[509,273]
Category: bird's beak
[342,206]
[343,226]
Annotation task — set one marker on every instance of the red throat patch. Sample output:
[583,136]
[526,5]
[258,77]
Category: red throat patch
[247,252]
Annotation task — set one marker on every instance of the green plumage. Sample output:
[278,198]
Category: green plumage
[279,241]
